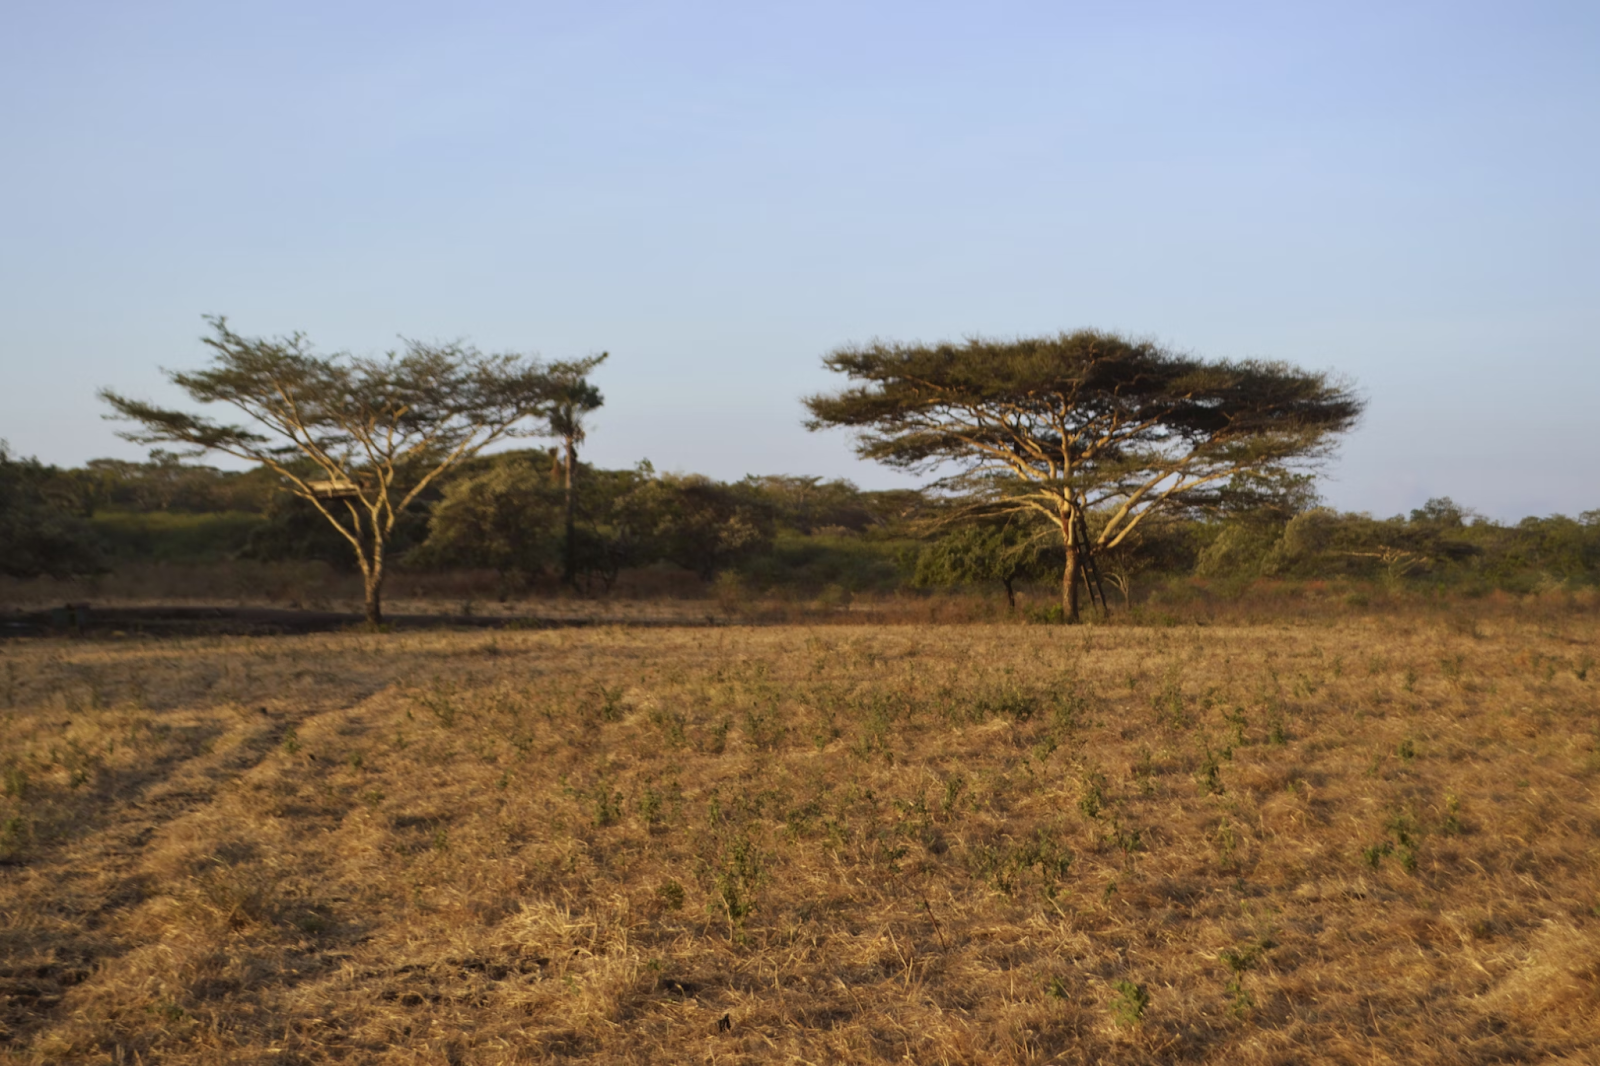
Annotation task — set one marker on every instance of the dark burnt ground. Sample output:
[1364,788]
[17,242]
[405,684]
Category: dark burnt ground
[160,621]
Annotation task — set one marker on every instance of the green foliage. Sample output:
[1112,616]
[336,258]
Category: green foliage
[166,483]
[39,532]
[179,536]
[842,559]
[670,894]
[505,518]
[1128,1002]
[700,524]
[1002,867]
[989,551]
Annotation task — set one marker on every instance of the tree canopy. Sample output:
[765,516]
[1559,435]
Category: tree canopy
[377,429]
[1058,427]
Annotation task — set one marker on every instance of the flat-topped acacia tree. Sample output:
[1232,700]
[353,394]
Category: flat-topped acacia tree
[1084,430]
[376,430]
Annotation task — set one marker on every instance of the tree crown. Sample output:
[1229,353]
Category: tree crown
[376,422]
[1079,421]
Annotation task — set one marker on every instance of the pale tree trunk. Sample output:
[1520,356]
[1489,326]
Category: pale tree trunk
[1069,574]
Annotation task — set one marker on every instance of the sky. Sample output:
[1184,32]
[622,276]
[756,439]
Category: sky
[719,194]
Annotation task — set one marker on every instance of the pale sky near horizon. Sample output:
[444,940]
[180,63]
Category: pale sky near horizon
[718,194]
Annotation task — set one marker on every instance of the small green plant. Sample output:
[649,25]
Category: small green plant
[440,702]
[953,788]
[1144,772]
[1046,615]
[650,805]
[607,804]
[166,1008]
[764,726]
[1208,777]
[1407,750]
[13,832]
[1451,826]
[671,726]
[739,874]
[1168,703]
[1126,840]
[1237,720]
[1003,867]
[1069,706]
[719,737]
[1128,1002]
[827,730]
[1092,793]
[15,782]
[1404,839]
[1239,963]
[1227,841]
[1240,1000]
[611,708]
[670,895]
[291,741]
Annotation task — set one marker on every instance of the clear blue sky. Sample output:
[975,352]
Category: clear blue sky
[720,193]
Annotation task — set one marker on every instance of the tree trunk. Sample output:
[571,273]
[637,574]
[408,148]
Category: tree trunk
[1069,575]
[1069,586]
[373,575]
[1011,595]
[375,600]
[569,564]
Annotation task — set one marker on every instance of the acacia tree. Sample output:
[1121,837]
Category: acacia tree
[571,397]
[1058,427]
[358,437]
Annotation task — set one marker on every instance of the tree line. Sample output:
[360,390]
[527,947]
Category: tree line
[1087,458]
[505,513]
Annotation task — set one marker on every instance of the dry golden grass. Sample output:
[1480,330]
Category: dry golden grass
[1366,842]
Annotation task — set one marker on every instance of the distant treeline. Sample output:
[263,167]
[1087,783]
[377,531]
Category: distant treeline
[505,513]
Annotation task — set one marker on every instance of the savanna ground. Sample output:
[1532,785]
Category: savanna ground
[1373,839]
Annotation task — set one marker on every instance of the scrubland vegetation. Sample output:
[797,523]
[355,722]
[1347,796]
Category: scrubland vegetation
[1362,838]
[161,532]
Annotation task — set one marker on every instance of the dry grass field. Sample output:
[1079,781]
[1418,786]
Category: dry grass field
[1376,840]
